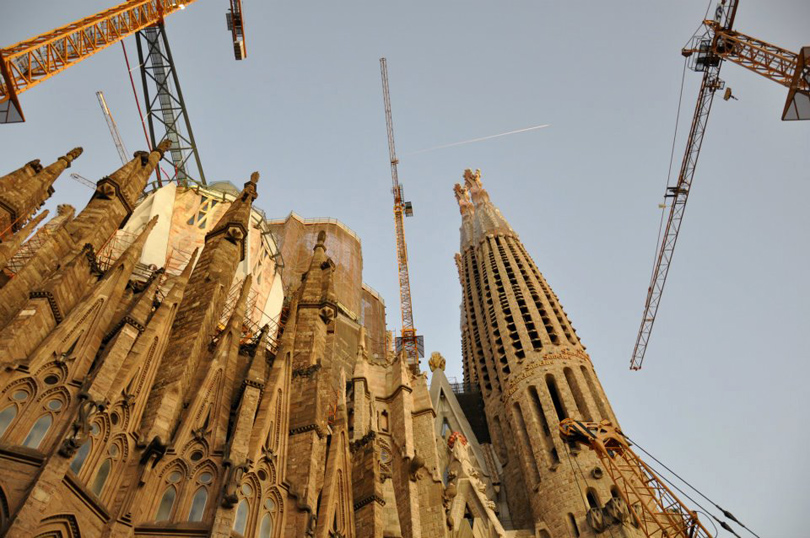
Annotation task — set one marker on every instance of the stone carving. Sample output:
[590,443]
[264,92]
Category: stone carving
[234,476]
[465,205]
[436,361]
[616,509]
[596,520]
[472,180]
[80,429]
[416,464]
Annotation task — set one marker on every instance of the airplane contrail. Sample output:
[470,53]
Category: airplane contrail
[479,139]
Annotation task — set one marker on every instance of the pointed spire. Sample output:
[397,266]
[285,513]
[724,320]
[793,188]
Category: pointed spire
[236,220]
[127,183]
[23,192]
[28,170]
[9,247]
[257,372]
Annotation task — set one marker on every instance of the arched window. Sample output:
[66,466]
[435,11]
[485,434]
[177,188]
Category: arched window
[7,415]
[384,421]
[240,521]
[597,395]
[266,528]
[593,498]
[572,523]
[38,431]
[198,505]
[101,477]
[81,455]
[164,511]
[559,408]
[579,398]
[524,439]
[445,427]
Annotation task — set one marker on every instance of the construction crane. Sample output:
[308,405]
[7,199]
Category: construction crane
[409,343]
[116,136]
[705,54]
[30,62]
[83,180]
[652,506]
[236,27]
[165,107]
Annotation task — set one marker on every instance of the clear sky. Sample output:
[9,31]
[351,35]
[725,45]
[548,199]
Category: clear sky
[722,398]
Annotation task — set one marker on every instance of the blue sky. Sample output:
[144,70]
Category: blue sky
[722,396]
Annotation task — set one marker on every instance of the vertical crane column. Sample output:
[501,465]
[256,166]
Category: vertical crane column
[410,343]
[165,104]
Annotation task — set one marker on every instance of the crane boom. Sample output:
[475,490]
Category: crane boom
[116,136]
[26,64]
[679,195]
[652,505]
[706,53]
[409,340]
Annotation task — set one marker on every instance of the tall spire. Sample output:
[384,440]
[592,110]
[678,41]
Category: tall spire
[523,354]
[235,221]
[22,192]
[488,219]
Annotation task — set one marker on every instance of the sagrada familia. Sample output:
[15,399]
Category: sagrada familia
[173,363]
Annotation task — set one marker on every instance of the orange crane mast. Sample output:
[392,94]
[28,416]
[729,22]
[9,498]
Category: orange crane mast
[409,343]
[26,64]
[706,53]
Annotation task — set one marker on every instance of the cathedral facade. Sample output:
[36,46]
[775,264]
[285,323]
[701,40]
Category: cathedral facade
[175,364]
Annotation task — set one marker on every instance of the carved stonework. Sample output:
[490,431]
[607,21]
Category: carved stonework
[436,361]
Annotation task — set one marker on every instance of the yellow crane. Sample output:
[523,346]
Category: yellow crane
[409,343]
[26,64]
[650,505]
[706,53]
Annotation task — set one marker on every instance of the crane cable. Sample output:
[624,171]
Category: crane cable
[725,512]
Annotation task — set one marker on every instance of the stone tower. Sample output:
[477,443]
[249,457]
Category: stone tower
[522,352]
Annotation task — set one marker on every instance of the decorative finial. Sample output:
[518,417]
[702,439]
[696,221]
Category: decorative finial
[436,361]
[68,158]
[321,239]
[472,180]
[164,146]
[254,178]
[463,198]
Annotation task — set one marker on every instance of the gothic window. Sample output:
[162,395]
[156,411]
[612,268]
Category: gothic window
[555,397]
[198,504]
[81,455]
[266,528]
[86,449]
[593,498]
[579,398]
[240,521]
[7,415]
[38,431]
[164,511]
[445,427]
[101,477]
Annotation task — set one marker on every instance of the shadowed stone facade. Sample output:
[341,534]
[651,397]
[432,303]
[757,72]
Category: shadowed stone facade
[148,390]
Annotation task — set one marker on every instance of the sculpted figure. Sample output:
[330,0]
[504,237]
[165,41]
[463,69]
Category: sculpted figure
[436,361]
[472,180]
[463,198]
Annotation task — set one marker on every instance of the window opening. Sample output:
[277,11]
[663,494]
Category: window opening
[38,431]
